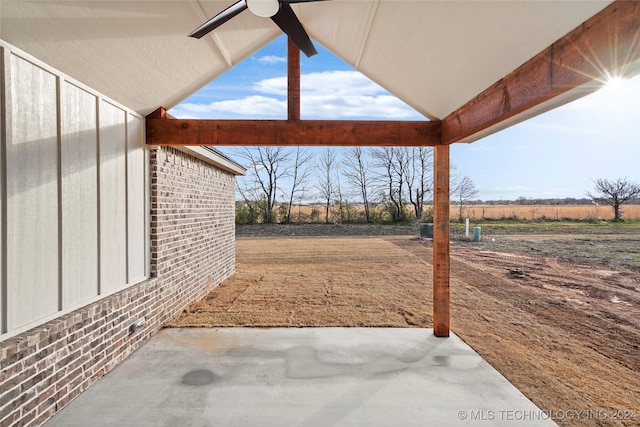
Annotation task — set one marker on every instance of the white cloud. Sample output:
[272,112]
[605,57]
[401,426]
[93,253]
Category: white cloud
[324,83]
[251,106]
[348,106]
[324,95]
[175,112]
[271,59]
[338,83]
[340,94]
[273,86]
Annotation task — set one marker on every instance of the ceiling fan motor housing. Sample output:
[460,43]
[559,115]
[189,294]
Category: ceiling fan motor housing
[279,11]
[264,8]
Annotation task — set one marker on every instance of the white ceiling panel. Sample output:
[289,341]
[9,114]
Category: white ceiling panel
[344,26]
[436,55]
[241,36]
[134,52]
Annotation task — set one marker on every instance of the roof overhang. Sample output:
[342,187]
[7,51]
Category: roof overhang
[605,46]
[434,55]
[214,157]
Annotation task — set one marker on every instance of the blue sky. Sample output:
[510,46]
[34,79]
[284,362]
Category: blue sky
[556,154]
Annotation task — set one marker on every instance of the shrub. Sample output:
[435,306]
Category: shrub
[315,215]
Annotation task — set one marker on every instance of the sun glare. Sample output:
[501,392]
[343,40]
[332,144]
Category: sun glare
[614,82]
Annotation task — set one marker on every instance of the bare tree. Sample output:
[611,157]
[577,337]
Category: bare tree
[299,176]
[341,200]
[401,168]
[301,193]
[251,199]
[615,193]
[383,159]
[355,170]
[392,165]
[419,177]
[267,166]
[463,189]
[326,166]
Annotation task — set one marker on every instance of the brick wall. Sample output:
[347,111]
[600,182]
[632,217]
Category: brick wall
[192,250]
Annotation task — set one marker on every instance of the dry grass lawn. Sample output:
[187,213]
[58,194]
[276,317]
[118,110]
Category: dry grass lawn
[319,281]
[567,335]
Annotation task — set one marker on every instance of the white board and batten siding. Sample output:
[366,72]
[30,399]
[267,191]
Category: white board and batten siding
[113,197]
[79,148]
[74,205]
[137,197]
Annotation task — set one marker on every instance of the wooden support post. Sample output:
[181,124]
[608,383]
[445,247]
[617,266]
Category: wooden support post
[293,81]
[441,266]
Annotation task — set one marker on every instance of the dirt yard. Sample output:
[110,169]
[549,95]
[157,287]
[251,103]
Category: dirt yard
[566,334]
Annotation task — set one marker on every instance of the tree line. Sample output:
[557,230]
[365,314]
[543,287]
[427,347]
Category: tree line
[608,192]
[355,184]
[369,185]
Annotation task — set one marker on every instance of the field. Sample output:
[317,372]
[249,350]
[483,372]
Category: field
[564,329]
[499,212]
[550,212]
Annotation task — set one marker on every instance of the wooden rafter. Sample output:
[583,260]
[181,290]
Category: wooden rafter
[608,43]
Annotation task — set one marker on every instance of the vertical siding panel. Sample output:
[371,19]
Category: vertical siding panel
[79,196]
[136,201]
[113,222]
[3,282]
[54,170]
[32,194]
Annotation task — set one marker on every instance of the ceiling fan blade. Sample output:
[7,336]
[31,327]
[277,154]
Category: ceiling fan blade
[219,19]
[289,23]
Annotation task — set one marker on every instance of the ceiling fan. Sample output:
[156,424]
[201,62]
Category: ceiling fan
[279,11]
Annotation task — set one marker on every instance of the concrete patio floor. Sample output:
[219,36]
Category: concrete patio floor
[302,377]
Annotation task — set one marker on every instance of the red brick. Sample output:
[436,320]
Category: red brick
[10,420]
[14,380]
[8,396]
[44,415]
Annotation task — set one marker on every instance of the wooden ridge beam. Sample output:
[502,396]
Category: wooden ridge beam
[293,81]
[606,44]
[194,132]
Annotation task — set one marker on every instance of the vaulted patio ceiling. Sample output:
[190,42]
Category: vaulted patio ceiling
[471,67]
[437,56]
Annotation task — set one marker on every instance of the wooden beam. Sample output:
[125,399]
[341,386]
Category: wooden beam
[158,113]
[177,132]
[293,81]
[441,261]
[606,44]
